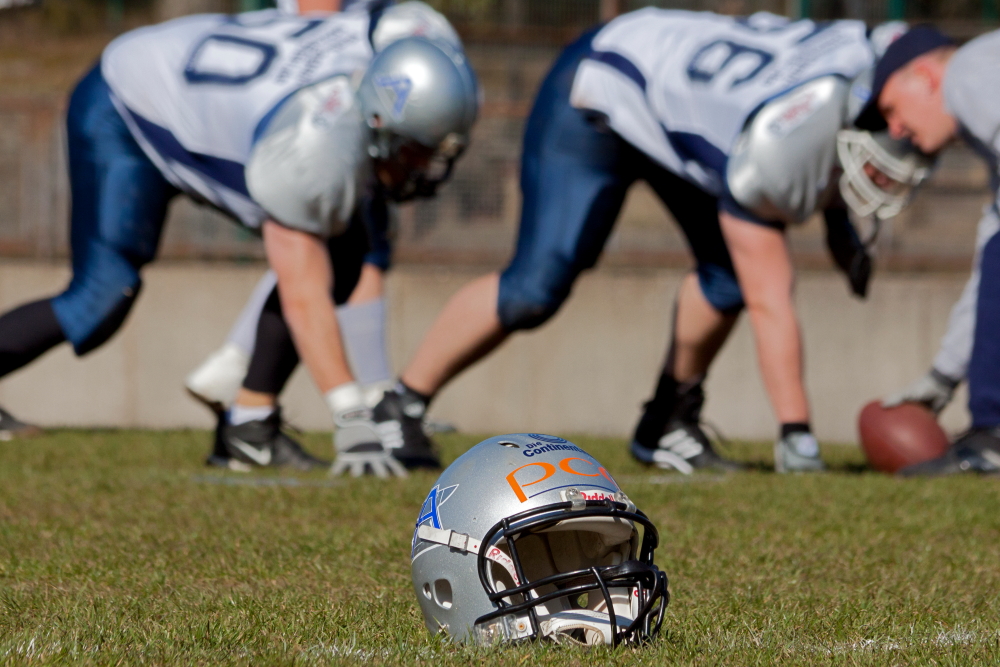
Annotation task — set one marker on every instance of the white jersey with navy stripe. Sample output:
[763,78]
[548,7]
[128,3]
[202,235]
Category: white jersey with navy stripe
[195,90]
[680,85]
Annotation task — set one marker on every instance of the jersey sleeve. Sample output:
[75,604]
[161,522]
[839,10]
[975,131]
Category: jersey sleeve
[310,161]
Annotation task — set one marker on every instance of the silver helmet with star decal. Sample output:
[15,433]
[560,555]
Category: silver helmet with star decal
[528,537]
[420,99]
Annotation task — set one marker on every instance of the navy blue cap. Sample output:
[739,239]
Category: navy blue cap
[915,42]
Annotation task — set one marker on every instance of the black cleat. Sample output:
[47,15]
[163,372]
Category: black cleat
[219,456]
[263,443]
[12,428]
[399,422]
[670,436]
[978,451]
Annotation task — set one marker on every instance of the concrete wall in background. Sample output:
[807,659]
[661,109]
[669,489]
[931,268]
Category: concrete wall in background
[588,370]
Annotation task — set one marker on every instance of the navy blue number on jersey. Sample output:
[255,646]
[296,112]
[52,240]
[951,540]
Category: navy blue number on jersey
[738,61]
[231,60]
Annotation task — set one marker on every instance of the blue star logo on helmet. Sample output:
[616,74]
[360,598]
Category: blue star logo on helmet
[430,511]
[394,92]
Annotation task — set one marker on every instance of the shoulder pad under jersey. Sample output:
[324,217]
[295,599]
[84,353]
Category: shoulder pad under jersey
[781,167]
[307,166]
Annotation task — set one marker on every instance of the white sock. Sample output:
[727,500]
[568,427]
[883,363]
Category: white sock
[362,328]
[241,414]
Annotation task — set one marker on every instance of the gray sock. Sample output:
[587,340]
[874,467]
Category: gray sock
[362,327]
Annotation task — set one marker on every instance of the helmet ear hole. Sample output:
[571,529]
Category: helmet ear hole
[442,593]
[427,591]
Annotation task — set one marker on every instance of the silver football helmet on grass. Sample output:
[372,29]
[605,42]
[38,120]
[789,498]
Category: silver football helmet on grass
[420,99]
[527,537]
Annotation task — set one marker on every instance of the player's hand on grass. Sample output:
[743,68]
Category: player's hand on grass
[932,390]
[359,448]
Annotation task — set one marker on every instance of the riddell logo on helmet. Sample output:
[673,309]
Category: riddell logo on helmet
[597,495]
[573,465]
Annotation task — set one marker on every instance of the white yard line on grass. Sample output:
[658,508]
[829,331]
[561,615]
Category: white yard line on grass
[947,638]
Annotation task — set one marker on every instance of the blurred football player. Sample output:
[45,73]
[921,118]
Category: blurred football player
[284,123]
[734,123]
[217,380]
[929,92]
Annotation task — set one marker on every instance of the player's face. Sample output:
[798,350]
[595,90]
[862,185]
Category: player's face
[913,106]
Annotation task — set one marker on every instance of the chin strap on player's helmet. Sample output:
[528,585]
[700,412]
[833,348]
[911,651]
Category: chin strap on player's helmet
[420,99]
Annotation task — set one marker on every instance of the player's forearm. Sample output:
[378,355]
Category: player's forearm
[304,279]
[952,359]
[764,268]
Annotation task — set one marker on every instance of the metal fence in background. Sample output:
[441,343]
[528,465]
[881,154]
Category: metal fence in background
[511,44]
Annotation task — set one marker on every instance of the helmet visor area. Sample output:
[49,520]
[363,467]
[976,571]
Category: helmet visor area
[880,174]
[408,169]
[574,577]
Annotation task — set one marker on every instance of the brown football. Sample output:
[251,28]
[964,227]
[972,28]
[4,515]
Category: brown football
[894,438]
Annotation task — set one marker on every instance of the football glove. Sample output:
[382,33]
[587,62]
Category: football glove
[933,390]
[359,449]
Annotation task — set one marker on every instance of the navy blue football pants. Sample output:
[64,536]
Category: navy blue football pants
[984,366]
[574,178]
[119,203]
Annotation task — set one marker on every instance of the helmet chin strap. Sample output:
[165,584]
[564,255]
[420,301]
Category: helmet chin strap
[560,626]
[876,223]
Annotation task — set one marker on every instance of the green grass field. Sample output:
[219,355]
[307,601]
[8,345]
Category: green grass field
[118,547]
